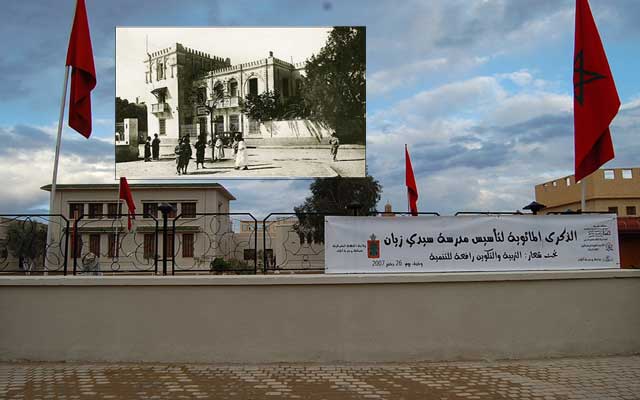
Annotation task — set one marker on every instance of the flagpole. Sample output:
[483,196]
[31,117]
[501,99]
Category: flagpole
[583,199]
[405,179]
[56,159]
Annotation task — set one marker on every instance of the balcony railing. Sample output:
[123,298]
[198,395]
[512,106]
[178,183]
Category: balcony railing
[227,102]
[159,108]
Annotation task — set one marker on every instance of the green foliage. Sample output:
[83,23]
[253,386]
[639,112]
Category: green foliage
[334,196]
[219,265]
[262,107]
[124,109]
[335,85]
[26,240]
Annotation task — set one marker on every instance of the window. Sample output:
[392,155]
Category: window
[187,245]
[202,95]
[162,126]
[253,86]
[234,123]
[170,246]
[160,71]
[631,210]
[149,245]
[627,174]
[150,209]
[112,210]
[114,246]
[285,87]
[249,254]
[94,244]
[95,210]
[233,88]
[298,86]
[554,183]
[188,210]
[568,181]
[77,251]
[76,210]
[609,174]
[173,213]
[613,210]
[218,90]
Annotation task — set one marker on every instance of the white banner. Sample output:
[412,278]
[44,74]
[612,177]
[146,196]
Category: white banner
[470,243]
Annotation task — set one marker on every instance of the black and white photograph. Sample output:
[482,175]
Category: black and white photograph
[260,102]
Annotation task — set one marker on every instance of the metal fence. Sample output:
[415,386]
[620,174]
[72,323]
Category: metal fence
[169,244]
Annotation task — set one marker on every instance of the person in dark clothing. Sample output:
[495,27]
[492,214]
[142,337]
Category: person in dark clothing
[155,147]
[185,154]
[147,149]
[200,146]
[178,150]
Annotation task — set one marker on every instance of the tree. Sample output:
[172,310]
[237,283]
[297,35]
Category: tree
[335,196]
[262,107]
[124,109]
[26,240]
[335,86]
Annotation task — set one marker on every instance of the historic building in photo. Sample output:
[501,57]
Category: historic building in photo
[189,92]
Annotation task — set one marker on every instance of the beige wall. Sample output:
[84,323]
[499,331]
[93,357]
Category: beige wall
[316,318]
[600,193]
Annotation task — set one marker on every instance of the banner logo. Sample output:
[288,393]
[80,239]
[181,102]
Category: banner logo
[373,247]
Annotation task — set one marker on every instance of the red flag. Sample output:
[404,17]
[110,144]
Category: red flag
[595,100]
[83,75]
[125,194]
[412,189]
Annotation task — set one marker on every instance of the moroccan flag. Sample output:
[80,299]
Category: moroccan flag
[595,99]
[412,189]
[83,74]
[125,194]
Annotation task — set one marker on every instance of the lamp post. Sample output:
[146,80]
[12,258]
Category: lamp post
[534,207]
[165,209]
[354,206]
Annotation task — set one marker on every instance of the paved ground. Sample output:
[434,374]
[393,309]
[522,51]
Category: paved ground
[587,378]
[263,162]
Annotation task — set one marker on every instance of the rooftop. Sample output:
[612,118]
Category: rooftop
[143,186]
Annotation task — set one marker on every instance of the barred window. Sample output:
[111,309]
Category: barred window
[187,245]
[75,251]
[150,209]
[95,210]
[631,210]
[94,244]
[149,245]
[76,210]
[114,248]
[188,210]
[112,210]
[173,213]
[170,246]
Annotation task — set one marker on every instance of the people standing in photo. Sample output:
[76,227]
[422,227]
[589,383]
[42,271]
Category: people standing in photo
[155,147]
[219,150]
[185,153]
[147,149]
[200,146]
[178,150]
[234,145]
[241,156]
[335,143]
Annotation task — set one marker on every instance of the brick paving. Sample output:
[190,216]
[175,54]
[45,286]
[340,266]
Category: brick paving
[558,379]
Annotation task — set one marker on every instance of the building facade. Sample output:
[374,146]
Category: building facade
[613,190]
[200,228]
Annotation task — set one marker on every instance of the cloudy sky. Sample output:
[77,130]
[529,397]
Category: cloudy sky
[480,90]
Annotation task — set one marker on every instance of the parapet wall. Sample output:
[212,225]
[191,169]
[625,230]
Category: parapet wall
[320,318]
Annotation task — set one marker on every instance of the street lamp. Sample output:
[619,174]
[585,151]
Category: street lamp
[534,207]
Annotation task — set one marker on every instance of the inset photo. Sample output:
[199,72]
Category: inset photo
[261,102]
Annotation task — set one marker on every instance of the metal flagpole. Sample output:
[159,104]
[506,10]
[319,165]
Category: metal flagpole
[583,200]
[58,143]
[57,158]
